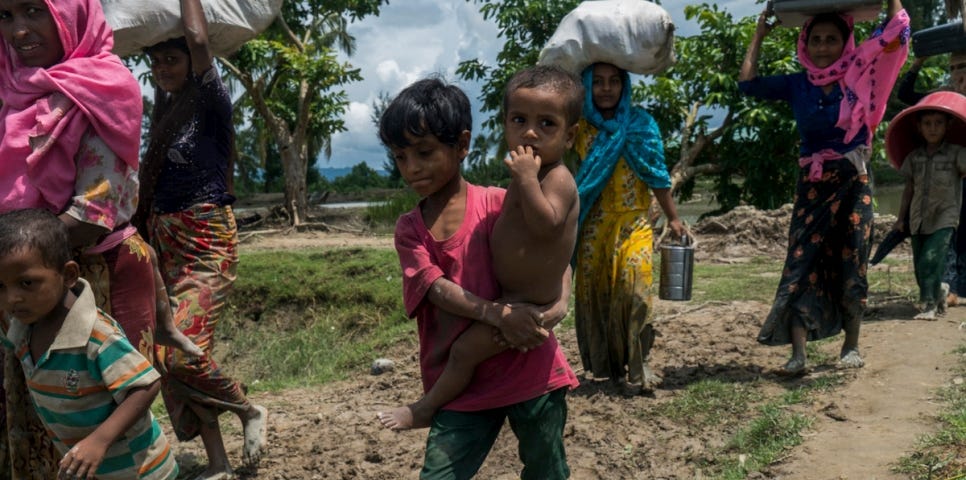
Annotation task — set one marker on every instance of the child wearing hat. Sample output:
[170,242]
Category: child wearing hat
[933,170]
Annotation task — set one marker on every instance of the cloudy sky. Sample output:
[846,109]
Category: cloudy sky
[411,39]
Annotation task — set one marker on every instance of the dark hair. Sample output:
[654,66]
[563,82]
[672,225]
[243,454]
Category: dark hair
[179,43]
[169,115]
[552,78]
[37,229]
[929,111]
[427,107]
[833,18]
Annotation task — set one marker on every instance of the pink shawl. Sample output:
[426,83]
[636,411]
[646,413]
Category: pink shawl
[47,111]
[865,73]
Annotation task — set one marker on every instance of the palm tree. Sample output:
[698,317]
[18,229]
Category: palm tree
[293,79]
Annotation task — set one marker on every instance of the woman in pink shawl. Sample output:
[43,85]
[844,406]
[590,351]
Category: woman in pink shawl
[70,128]
[837,101]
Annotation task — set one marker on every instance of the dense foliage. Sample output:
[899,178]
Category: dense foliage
[710,129]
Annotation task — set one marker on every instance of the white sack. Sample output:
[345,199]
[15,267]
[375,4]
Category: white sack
[635,35]
[231,23]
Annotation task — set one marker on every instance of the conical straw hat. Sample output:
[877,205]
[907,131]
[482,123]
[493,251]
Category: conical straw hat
[903,137]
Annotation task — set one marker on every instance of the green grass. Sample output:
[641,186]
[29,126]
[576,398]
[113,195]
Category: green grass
[942,455]
[755,280]
[382,216]
[308,317]
[763,441]
[710,402]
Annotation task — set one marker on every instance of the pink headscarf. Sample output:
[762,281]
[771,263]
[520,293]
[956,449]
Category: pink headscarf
[866,74]
[46,111]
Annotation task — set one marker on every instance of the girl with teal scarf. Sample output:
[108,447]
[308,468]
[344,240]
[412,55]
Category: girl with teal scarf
[622,162]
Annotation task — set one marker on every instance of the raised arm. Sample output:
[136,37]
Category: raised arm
[546,205]
[894,7]
[749,67]
[196,34]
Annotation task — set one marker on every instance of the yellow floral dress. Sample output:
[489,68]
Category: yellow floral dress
[613,289]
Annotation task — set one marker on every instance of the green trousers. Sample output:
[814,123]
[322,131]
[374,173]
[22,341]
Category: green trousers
[459,441]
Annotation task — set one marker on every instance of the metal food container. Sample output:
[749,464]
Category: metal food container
[677,268]
[794,13]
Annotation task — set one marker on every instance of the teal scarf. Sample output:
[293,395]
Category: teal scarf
[632,135]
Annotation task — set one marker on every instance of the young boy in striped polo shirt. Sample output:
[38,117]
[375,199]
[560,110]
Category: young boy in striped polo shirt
[90,386]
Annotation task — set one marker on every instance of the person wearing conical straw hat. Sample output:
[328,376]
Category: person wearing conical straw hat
[922,143]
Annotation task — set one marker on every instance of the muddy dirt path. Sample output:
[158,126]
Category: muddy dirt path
[879,415]
[860,427]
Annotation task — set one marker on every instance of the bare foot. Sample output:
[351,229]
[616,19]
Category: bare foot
[176,339]
[851,359]
[216,475]
[651,380]
[256,431]
[793,368]
[405,418]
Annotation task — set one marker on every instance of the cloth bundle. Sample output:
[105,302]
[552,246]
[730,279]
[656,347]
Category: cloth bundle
[231,23]
[634,35]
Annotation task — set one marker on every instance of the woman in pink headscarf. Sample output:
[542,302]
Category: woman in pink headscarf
[837,101]
[70,128]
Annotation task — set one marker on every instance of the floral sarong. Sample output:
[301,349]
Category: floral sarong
[824,284]
[197,250]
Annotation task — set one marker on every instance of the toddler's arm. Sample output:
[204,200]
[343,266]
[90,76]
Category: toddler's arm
[516,324]
[85,457]
[545,205]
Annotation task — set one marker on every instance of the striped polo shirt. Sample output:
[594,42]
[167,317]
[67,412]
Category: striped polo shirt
[79,382]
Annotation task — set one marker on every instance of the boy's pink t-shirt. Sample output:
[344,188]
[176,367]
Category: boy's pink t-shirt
[505,379]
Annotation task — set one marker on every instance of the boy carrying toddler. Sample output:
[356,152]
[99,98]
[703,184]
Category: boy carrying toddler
[459,253]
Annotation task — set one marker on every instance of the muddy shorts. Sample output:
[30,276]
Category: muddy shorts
[459,441]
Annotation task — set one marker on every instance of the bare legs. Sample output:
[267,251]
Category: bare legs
[472,347]
[848,358]
[254,422]
[165,331]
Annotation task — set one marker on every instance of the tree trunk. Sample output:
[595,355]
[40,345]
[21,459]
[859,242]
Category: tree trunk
[294,167]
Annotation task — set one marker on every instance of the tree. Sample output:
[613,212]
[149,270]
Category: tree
[361,177]
[379,106]
[710,128]
[293,80]
[525,26]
